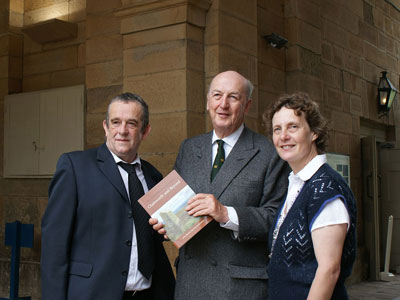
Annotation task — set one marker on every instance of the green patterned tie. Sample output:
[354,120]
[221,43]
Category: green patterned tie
[219,159]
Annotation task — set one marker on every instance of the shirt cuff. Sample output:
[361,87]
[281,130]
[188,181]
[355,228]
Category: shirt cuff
[233,222]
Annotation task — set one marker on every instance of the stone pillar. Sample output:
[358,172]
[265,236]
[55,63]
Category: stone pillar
[163,61]
[231,44]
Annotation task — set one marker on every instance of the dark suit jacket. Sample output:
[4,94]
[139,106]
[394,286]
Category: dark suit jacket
[253,180]
[87,229]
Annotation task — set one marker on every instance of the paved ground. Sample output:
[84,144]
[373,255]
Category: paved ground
[375,290]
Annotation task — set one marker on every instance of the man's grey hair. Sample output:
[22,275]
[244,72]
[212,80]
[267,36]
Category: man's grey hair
[130,97]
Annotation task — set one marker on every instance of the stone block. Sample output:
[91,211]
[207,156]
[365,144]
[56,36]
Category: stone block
[371,72]
[104,74]
[355,6]
[195,56]
[392,64]
[244,10]
[17,6]
[342,122]
[4,66]
[24,188]
[231,59]
[334,34]
[338,56]
[34,5]
[212,60]
[30,46]
[81,55]
[304,34]
[273,5]
[101,25]
[391,27]
[15,67]
[195,91]
[271,56]
[67,77]
[14,86]
[96,6]
[211,31]
[352,62]
[326,53]
[80,39]
[55,11]
[368,33]
[36,82]
[333,98]
[374,55]
[297,81]
[269,22]
[331,76]
[238,34]
[342,143]
[356,105]
[352,84]
[271,80]
[167,133]
[196,124]
[386,43]
[310,62]
[356,44]
[104,48]
[57,59]
[97,99]
[305,10]
[378,19]
[76,11]
[94,129]
[16,44]
[164,92]
[16,20]
[155,58]
[4,45]
[156,36]
[154,19]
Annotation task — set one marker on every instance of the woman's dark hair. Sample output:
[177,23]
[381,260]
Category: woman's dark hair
[302,105]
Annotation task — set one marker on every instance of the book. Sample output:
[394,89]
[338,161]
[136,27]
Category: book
[167,202]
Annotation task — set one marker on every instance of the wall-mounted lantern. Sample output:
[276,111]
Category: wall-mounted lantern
[275,40]
[386,94]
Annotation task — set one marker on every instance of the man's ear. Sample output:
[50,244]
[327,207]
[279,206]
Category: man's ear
[105,126]
[247,106]
[146,132]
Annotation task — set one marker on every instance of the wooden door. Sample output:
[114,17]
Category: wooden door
[371,204]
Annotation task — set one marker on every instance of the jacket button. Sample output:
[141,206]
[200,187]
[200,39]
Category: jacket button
[124,273]
[128,243]
[129,214]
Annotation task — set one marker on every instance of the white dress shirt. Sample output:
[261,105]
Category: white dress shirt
[135,280]
[229,142]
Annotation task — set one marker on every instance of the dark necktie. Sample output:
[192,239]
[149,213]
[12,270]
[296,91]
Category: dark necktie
[141,218]
[219,159]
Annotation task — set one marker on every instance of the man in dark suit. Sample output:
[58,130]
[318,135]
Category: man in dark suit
[96,241]
[228,258]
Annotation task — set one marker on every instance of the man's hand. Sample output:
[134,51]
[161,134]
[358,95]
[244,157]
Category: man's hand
[207,205]
[159,227]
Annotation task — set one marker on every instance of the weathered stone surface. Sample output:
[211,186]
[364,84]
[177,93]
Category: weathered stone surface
[76,10]
[104,48]
[36,82]
[104,74]
[67,78]
[97,99]
[101,25]
[56,11]
[56,60]
[94,129]
[96,6]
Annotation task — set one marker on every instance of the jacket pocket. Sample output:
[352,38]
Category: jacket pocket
[80,269]
[247,272]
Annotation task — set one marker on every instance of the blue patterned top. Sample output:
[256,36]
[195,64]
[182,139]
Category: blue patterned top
[293,263]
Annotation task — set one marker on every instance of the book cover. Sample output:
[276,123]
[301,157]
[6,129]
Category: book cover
[167,201]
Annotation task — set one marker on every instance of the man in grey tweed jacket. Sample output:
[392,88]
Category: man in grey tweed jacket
[228,258]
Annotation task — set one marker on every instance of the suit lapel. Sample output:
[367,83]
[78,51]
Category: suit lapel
[148,176]
[110,170]
[241,154]
[203,163]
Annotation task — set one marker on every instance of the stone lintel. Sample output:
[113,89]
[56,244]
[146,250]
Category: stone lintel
[142,15]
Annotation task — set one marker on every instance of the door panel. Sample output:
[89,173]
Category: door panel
[371,204]
[390,203]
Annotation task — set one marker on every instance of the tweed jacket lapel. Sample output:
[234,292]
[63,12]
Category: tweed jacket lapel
[110,170]
[243,151]
[201,163]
